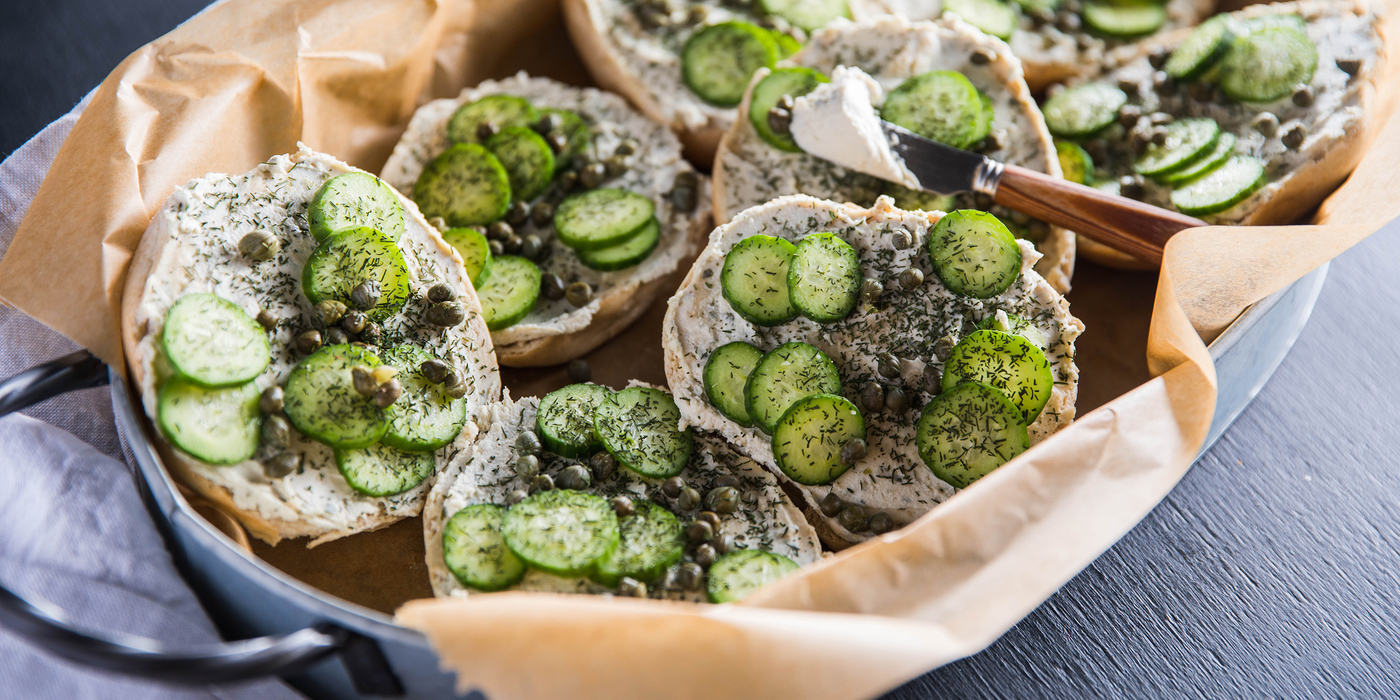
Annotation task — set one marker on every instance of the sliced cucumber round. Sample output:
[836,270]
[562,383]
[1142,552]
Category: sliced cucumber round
[352,200]
[218,426]
[640,426]
[380,470]
[1268,64]
[1075,162]
[1124,20]
[1222,188]
[966,432]
[1254,24]
[510,293]
[824,278]
[628,253]
[808,439]
[726,374]
[1200,51]
[787,45]
[941,105]
[1187,140]
[476,553]
[563,532]
[652,539]
[994,17]
[985,119]
[718,60]
[791,372]
[354,256]
[794,82]
[809,15]
[472,245]
[321,401]
[565,419]
[754,280]
[602,218]
[1083,110]
[1224,148]
[974,254]
[527,158]
[425,417]
[922,200]
[212,342]
[576,133]
[466,185]
[1015,325]
[738,574]
[1010,363]
[501,111]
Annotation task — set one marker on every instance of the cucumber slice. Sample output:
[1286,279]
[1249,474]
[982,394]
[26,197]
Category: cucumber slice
[1075,162]
[994,17]
[1291,21]
[754,280]
[576,133]
[718,60]
[809,15]
[321,401]
[380,470]
[1200,51]
[565,419]
[824,278]
[966,432]
[1221,188]
[941,105]
[652,539]
[502,111]
[791,372]
[1268,64]
[1010,363]
[985,118]
[351,257]
[626,254]
[527,158]
[1124,21]
[425,417]
[640,426]
[795,82]
[908,199]
[218,426]
[466,185]
[808,439]
[974,254]
[352,200]
[1035,5]
[475,252]
[1015,325]
[602,218]
[476,553]
[737,574]
[1187,140]
[212,342]
[787,45]
[1083,110]
[563,532]
[1224,148]
[510,293]
[726,374]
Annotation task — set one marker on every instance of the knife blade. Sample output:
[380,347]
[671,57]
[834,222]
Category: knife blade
[941,168]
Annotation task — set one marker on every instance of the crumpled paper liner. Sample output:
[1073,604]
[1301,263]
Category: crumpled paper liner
[246,79]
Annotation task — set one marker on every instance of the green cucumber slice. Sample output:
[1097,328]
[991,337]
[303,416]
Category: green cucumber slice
[966,432]
[565,419]
[974,254]
[726,374]
[1075,162]
[577,135]
[791,372]
[1036,5]
[351,257]
[602,218]
[321,401]
[718,60]
[824,278]
[795,82]
[754,280]
[985,118]
[1015,325]
[563,532]
[808,439]
[380,470]
[640,426]
[1083,110]
[1224,148]
[1200,51]
[355,199]
[1221,188]
[787,45]
[476,553]
[212,342]
[1187,140]
[1268,64]
[626,254]
[218,426]
[994,17]
[465,185]
[502,111]
[941,105]
[1124,21]
[425,417]
[1010,363]
[527,158]
[1254,24]
[651,540]
[809,15]
[738,574]
[510,293]
[472,245]
[911,200]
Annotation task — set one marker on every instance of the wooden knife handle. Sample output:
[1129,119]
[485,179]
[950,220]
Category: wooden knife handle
[1139,229]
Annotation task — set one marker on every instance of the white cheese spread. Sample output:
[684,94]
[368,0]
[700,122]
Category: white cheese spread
[837,122]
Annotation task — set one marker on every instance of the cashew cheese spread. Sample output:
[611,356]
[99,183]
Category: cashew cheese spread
[837,122]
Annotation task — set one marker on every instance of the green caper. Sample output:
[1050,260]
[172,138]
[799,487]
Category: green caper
[518,213]
[705,555]
[531,246]
[603,465]
[723,500]
[933,380]
[699,532]
[623,506]
[336,336]
[632,588]
[330,311]
[259,246]
[710,517]
[888,365]
[500,231]
[371,333]
[684,199]
[689,499]
[446,315]
[271,400]
[512,244]
[575,477]
[831,505]
[362,378]
[549,121]
[542,214]
[726,480]
[485,130]
[592,175]
[614,166]
[1294,136]
[880,523]
[552,286]
[276,432]
[365,295]
[436,371]
[943,347]
[579,371]
[911,278]
[872,398]
[267,319]
[455,387]
[307,342]
[579,293]
[558,142]
[496,247]
[896,400]
[723,544]
[516,496]
[541,482]
[779,120]
[871,289]
[527,466]
[901,239]
[690,576]
[673,486]
[441,292]
[853,451]
[528,443]
[852,517]
[626,148]
[388,393]
[281,465]
[354,321]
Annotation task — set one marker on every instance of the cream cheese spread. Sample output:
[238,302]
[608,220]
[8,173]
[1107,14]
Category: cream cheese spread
[837,122]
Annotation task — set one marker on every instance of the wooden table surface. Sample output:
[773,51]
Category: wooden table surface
[1272,570]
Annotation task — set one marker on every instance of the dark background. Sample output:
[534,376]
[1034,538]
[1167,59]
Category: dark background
[1271,570]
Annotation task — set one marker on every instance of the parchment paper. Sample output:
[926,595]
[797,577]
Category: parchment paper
[246,79]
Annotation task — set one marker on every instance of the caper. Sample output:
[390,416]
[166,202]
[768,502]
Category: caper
[1161,82]
[541,482]
[615,166]
[1159,136]
[1128,115]
[880,523]
[911,278]
[447,314]
[531,246]
[831,505]
[699,532]
[435,370]
[852,517]
[853,451]
[281,465]
[872,398]
[441,292]
[871,289]
[439,223]
[362,379]
[1303,96]
[388,393]
[564,183]
[579,293]
[267,319]
[1265,123]
[1159,56]
[330,311]
[673,486]
[500,231]
[307,342]
[723,544]
[726,480]
[623,506]
[990,143]
[710,517]
[549,121]
[354,321]
[542,214]
[496,248]
[902,239]
[512,245]
[690,576]
[603,465]
[552,286]
[1128,85]
[455,387]
[1130,186]
[626,148]
[933,380]
[684,199]
[896,400]
[518,213]
[943,347]
[980,58]
[1069,22]
[705,555]
[1294,136]
[593,175]
[688,500]
[516,496]
[271,400]
[259,245]
[579,371]
[632,588]
[779,120]
[485,130]
[336,336]
[575,477]
[371,333]
[276,432]
[365,295]
[527,466]
[1349,65]
[888,365]
[723,500]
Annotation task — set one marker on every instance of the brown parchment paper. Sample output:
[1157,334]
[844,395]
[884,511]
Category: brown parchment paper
[246,79]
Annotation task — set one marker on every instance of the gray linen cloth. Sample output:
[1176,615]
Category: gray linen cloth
[73,530]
